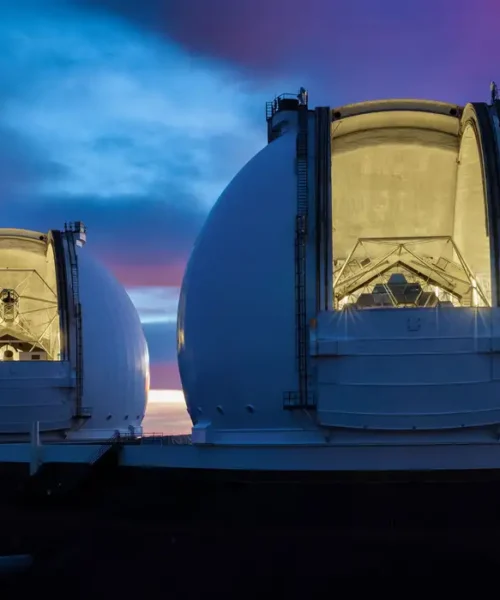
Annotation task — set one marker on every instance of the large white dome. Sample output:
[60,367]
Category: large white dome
[287,323]
[115,352]
[73,356]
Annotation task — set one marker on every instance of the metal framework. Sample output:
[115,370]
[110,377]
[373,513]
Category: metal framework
[15,318]
[69,231]
[455,279]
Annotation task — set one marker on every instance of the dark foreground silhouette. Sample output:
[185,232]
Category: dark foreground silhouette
[191,534]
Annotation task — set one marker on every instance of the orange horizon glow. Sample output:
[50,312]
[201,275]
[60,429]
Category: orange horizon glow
[166,413]
[161,396]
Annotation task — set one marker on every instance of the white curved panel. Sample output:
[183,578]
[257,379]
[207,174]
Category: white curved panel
[236,326]
[115,354]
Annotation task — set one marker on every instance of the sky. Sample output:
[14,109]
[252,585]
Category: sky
[133,116]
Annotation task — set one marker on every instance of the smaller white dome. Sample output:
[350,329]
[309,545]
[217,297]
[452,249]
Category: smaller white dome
[73,356]
[115,353]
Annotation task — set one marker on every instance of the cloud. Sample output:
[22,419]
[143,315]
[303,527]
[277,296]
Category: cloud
[121,112]
[23,168]
[144,242]
[165,376]
[343,51]
[161,339]
[156,304]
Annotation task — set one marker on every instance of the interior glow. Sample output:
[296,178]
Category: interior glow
[29,311]
[401,175]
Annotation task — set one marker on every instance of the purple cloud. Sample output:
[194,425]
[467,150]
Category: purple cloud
[143,241]
[344,50]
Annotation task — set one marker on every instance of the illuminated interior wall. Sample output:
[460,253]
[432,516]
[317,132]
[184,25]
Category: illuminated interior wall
[470,229]
[27,267]
[406,174]
[393,175]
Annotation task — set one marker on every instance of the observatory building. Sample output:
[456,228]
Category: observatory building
[73,358]
[345,287]
[338,323]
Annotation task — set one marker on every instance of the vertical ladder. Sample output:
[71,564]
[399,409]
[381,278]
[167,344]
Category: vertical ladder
[300,252]
[302,398]
[75,286]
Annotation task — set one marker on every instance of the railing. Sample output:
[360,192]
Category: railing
[277,104]
[77,315]
[304,399]
[157,438]
[117,438]
[105,447]
[283,102]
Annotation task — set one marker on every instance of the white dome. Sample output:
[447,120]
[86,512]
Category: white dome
[73,356]
[115,353]
[236,334]
[400,201]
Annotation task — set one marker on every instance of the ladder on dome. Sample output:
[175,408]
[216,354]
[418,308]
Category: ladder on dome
[77,308]
[303,397]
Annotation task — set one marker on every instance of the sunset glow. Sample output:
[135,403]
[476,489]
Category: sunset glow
[166,413]
[158,396]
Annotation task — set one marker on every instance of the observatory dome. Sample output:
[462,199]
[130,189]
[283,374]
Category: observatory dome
[73,357]
[348,276]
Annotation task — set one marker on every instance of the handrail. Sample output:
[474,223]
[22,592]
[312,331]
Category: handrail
[105,447]
[176,439]
[272,106]
[159,438]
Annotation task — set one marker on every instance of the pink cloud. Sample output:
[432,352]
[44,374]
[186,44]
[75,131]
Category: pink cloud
[165,376]
[361,48]
[152,275]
